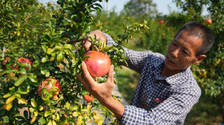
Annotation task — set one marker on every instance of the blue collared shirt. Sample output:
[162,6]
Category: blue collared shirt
[158,100]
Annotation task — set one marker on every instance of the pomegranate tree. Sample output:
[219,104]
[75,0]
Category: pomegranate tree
[44,35]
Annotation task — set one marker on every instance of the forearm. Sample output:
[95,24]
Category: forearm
[113,105]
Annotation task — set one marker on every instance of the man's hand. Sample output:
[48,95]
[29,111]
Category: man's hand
[103,91]
[99,35]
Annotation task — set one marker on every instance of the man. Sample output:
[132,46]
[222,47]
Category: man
[167,90]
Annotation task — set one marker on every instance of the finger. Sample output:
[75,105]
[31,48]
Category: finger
[86,44]
[89,79]
[110,77]
[85,84]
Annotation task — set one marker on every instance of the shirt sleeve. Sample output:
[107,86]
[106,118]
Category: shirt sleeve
[136,59]
[171,111]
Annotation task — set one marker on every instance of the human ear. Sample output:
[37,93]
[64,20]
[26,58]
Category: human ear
[199,59]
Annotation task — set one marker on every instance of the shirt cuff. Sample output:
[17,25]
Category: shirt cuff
[127,115]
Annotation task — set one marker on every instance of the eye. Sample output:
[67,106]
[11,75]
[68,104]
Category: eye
[185,52]
[174,44]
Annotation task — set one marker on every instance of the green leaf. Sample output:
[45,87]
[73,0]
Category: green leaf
[22,71]
[50,50]
[20,80]
[10,99]
[60,56]
[42,121]
[36,57]
[68,52]
[12,91]
[32,78]
[73,108]
[33,119]
[33,102]
[23,92]
[7,71]
[8,95]
[47,73]
[44,48]
[85,93]
[24,65]
[44,59]
[68,46]
[47,113]
[44,71]
[67,105]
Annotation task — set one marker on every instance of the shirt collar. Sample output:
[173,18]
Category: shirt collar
[175,79]
[178,78]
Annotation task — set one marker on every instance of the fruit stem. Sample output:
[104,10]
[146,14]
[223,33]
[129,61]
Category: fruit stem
[96,48]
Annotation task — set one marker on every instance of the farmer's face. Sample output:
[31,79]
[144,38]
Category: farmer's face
[182,52]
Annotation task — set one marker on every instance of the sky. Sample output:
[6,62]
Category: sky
[162,5]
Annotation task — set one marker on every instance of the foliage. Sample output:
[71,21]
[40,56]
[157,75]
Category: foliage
[192,7]
[44,35]
[110,22]
[137,8]
[205,112]
[49,37]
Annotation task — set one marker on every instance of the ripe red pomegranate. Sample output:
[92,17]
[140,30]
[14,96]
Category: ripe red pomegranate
[208,21]
[23,60]
[88,98]
[49,84]
[98,63]
[161,21]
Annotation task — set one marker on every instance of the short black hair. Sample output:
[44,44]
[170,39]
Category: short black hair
[197,29]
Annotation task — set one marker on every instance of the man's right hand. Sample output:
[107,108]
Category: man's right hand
[99,35]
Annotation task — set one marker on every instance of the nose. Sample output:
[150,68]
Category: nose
[175,52]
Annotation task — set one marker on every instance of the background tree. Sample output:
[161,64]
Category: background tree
[138,8]
[192,7]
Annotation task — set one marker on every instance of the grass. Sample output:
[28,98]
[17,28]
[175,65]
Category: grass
[127,82]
